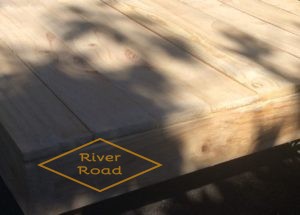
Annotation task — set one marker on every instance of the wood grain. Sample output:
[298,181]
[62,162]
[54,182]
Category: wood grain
[267,13]
[31,114]
[183,94]
[254,63]
[175,65]
[190,84]
[292,6]
[181,148]
[104,108]
[277,37]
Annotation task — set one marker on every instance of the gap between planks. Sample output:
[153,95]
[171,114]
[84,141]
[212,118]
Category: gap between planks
[215,55]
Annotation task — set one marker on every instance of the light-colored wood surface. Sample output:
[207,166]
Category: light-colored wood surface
[252,62]
[274,36]
[188,83]
[185,74]
[291,6]
[37,121]
[268,13]
[100,105]
[182,148]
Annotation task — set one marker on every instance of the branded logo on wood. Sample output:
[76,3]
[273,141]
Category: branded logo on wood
[100,165]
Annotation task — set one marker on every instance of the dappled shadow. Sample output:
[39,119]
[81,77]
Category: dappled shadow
[126,96]
[83,23]
[114,69]
[263,183]
[224,195]
[257,51]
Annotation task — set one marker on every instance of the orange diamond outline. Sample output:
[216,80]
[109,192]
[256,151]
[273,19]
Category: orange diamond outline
[42,165]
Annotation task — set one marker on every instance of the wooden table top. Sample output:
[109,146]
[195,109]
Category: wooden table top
[75,70]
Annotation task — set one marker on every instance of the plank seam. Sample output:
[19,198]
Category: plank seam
[233,7]
[48,87]
[259,39]
[183,49]
[73,51]
[280,8]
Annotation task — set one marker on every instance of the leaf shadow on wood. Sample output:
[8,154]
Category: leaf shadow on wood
[223,193]
[246,185]
[130,81]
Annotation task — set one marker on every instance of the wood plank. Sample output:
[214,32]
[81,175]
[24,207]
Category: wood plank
[270,34]
[181,148]
[267,13]
[95,76]
[293,6]
[257,65]
[164,59]
[31,114]
[105,109]
[170,61]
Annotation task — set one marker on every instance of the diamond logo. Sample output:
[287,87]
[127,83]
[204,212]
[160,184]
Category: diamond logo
[100,165]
